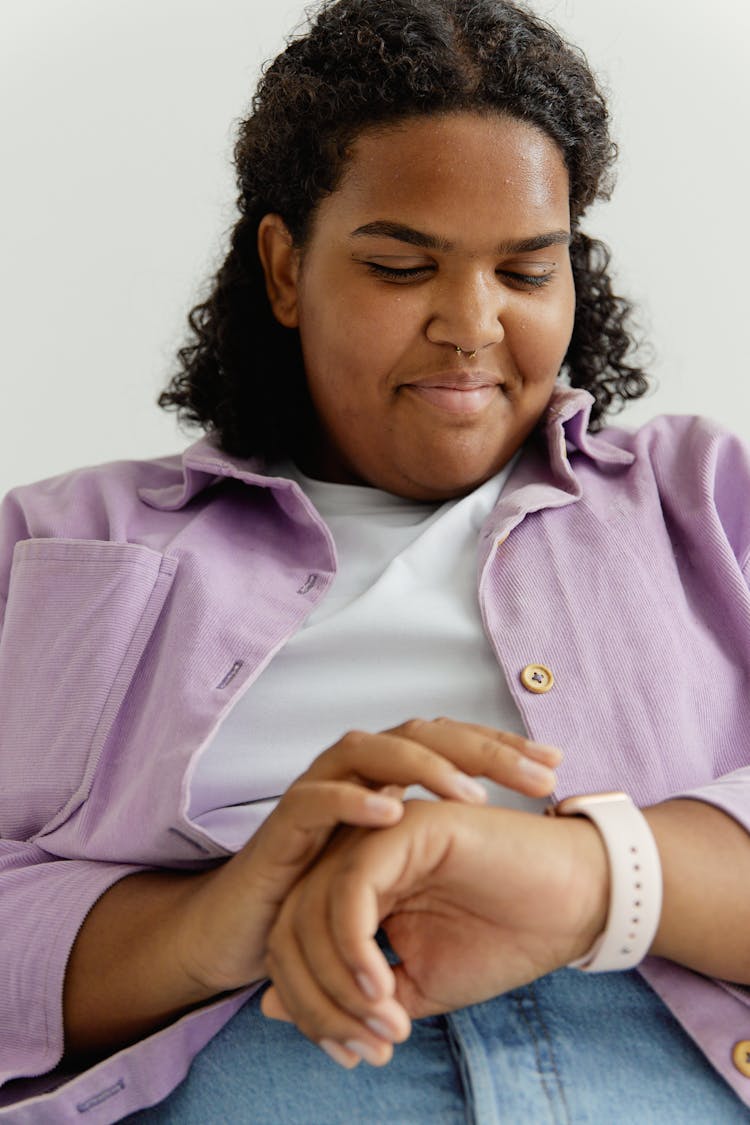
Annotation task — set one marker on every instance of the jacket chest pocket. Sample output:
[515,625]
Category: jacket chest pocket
[78,617]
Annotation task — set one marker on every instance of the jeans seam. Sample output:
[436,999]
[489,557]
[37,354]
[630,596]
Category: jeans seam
[551,1048]
[518,1003]
[458,1025]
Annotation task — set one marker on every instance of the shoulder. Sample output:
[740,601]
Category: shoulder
[684,449]
[93,502]
[698,469]
[669,437]
[99,502]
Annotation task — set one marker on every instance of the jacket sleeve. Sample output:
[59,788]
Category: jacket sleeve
[722,464]
[43,902]
[730,793]
[44,898]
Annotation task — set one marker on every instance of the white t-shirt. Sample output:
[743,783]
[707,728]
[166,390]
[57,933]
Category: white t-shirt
[398,635]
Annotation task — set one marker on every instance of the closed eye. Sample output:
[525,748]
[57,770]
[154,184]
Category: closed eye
[519,280]
[530,280]
[396,274]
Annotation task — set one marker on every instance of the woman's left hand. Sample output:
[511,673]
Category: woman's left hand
[475,901]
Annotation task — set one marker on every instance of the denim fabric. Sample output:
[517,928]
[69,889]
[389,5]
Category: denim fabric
[569,1048]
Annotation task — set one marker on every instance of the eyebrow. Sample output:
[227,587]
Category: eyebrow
[384,228]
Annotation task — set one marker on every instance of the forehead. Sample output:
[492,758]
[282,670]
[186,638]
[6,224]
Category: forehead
[455,170]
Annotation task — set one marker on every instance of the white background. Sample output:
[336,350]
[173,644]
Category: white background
[116,125]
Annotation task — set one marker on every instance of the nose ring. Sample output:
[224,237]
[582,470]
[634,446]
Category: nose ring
[469,355]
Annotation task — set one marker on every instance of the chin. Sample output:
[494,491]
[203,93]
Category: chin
[443,485]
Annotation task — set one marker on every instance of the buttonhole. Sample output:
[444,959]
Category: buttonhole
[103,1096]
[230,675]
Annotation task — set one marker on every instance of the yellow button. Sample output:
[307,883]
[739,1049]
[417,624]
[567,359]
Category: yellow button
[537,678]
[741,1056]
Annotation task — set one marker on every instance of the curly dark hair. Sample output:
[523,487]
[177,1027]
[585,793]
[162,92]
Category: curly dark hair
[364,63]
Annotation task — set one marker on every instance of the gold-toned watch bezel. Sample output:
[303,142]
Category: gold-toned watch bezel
[578,805]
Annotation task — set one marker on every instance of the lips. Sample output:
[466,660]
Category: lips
[460,392]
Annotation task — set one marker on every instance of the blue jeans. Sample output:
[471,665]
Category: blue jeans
[569,1048]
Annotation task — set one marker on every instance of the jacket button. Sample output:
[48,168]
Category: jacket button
[741,1056]
[537,678]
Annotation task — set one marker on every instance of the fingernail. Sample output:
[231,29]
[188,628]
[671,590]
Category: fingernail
[368,986]
[549,753]
[381,1029]
[468,788]
[365,1051]
[336,1052]
[535,771]
[381,805]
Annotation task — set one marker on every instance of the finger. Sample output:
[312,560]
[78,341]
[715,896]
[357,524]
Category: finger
[302,933]
[387,869]
[393,791]
[272,1007]
[543,752]
[315,805]
[506,758]
[293,837]
[386,759]
[314,1013]
[364,992]
[444,756]
[362,891]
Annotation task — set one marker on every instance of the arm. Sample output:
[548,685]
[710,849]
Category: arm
[42,902]
[477,902]
[705,920]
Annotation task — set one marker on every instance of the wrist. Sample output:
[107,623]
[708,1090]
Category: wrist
[591,888]
[219,942]
[123,979]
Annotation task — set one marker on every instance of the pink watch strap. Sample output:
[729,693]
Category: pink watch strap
[635,893]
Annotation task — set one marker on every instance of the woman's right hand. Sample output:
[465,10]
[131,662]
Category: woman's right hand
[221,941]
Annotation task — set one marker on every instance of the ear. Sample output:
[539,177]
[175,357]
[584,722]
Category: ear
[280,262]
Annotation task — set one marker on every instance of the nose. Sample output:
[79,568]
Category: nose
[466,312]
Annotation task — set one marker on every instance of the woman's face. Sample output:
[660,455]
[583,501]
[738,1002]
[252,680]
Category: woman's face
[446,232]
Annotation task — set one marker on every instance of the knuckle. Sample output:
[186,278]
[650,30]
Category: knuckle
[495,752]
[412,726]
[353,740]
[332,762]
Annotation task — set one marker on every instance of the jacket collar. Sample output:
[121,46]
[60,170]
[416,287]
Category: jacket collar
[563,428]
[202,465]
[568,412]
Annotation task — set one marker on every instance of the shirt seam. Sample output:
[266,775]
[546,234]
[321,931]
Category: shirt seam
[745,565]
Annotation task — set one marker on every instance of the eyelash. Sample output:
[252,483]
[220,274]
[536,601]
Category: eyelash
[404,275]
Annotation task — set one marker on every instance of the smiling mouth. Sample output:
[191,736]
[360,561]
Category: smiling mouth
[466,398]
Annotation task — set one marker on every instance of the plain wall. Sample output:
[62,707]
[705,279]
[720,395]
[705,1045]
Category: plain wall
[116,121]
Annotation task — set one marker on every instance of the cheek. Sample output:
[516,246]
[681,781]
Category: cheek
[354,339]
[542,340]
[381,320]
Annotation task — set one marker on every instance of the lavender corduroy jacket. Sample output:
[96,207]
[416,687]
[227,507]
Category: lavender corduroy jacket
[138,600]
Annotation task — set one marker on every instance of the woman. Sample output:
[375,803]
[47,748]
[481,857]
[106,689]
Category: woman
[402,370]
